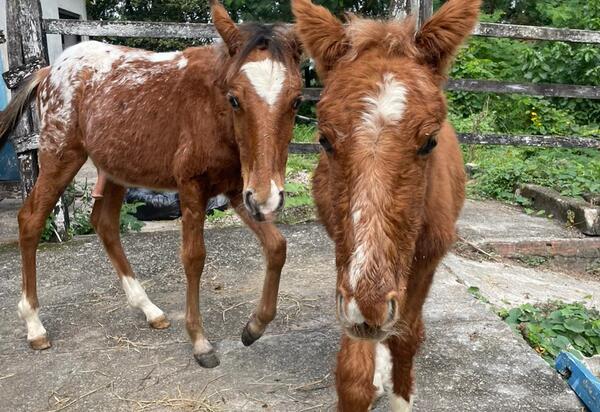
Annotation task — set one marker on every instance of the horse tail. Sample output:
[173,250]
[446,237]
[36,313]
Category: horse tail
[9,118]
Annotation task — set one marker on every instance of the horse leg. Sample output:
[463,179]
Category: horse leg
[105,220]
[403,350]
[56,172]
[193,210]
[355,373]
[274,248]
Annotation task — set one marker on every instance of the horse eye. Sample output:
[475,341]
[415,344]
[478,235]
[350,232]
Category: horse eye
[428,147]
[234,102]
[297,103]
[326,144]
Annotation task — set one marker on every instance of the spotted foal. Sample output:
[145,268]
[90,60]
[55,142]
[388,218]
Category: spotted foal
[204,121]
[389,185]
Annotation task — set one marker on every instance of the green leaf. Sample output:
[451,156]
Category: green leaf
[575,325]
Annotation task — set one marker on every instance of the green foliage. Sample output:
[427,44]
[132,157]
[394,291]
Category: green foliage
[502,169]
[474,290]
[49,229]
[82,210]
[127,221]
[556,326]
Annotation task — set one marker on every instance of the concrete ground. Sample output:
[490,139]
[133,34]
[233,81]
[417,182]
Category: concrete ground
[105,357]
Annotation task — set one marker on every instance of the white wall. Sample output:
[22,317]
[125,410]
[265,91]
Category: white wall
[49,11]
[3,47]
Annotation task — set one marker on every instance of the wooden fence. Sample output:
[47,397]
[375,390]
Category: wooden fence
[27,52]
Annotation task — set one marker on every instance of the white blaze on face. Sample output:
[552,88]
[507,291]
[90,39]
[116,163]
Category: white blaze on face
[35,329]
[267,78]
[383,108]
[137,298]
[272,202]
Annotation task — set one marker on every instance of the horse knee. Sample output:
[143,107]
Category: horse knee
[276,250]
[193,256]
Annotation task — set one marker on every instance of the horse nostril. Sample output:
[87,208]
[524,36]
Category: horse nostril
[281,200]
[248,196]
[392,309]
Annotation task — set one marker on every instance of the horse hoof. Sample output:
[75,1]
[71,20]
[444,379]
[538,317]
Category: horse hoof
[248,337]
[40,343]
[160,323]
[208,360]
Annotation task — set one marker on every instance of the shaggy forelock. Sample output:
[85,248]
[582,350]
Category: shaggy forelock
[391,37]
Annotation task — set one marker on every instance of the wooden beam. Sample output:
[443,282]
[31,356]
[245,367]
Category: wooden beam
[10,190]
[207,31]
[492,86]
[26,43]
[130,29]
[529,140]
[516,31]
[571,142]
[15,76]
[531,89]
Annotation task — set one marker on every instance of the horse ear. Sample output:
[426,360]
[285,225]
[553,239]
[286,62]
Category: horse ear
[322,34]
[439,39]
[226,27]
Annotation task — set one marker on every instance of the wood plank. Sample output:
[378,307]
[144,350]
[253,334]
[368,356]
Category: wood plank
[10,190]
[130,29]
[493,86]
[204,31]
[530,89]
[530,140]
[23,144]
[492,140]
[516,31]
[14,77]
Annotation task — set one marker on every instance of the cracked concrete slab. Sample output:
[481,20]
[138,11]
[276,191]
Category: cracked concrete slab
[106,358]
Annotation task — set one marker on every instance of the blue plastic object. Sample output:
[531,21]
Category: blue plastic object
[580,379]
[9,166]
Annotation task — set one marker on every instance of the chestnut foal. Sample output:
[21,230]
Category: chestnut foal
[389,186]
[204,121]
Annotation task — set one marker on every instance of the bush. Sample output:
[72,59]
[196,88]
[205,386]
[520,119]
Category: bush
[556,326]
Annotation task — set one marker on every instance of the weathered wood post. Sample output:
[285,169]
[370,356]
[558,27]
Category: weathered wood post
[421,9]
[27,52]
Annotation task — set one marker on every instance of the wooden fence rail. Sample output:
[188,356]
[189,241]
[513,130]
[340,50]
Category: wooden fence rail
[572,142]
[492,86]
[27,52]
[204,31]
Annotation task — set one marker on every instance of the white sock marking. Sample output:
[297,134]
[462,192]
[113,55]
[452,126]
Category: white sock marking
[382,379]
[399,404]
[137,298]
[267,77]
[35,329]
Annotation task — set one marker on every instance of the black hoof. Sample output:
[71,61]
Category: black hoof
[248,338]
[208,360]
